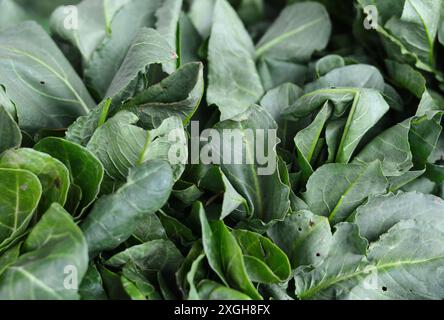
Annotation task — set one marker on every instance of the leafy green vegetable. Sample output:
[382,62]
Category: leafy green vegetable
[86,171]
[53,175]
[54,246]
[146,190]
[231,48]
[18,203]
[55,95]
[312,169]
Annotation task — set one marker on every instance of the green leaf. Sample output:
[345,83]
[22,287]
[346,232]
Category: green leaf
[54,260]
[407,77]
[228,263]
[299,31]
[9,257]
[149,228]
[264,261]
[115,217]
[105,31]
[86,171]
[177,231]
[210,290]
[405,233]
[216,181]
[147,48]
[11,14]
[44,88]
[191,271]
[189,40]
[336,190]
[327,64]
[156,255]
[119,145]
[83,128]
[275,102]
[383,212]
[304,237]
[91,287]
[265,189]
[392,148]
[167,24]
[366,107]
[18,203]
[201,14]
[177,95]
[350,77]
[417,28]
[10,135]
[233,81]
[53,175]
[274,72]
[340,270]
[308,139]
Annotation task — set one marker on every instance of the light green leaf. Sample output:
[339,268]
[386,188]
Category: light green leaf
[264,261]
[147,48]
[304,237]
[86,171]
[167,24]
[11,14]
[308,139]
[227,263]
[18,202]
[156,255]
[392,148]
[54,249]
[299,31]
[336,190]
[115,217]
[91,287]
[45,89]
[10,135]
[177,95]
[234,83]
[382,212]
[266,189]
[211,290]
[53,175]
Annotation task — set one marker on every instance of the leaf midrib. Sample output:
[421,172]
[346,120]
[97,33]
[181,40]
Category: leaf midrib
[312,291]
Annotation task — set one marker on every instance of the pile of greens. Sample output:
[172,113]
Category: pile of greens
[92,207]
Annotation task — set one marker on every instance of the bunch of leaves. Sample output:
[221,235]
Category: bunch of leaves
[92,206]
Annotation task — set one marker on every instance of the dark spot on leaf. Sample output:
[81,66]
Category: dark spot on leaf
[57,182]
[311,223]
[24,187]
[42,82]
[318,254]
[300,229]
[384,288]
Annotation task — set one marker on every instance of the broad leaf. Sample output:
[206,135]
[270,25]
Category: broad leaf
[45,89]
[54,260]
[227,263]
[18,202]
[53,175]
[86,171]
[300,30]
[10,135]
[115,217]
[304,237]
[234,83]
[336,190]
[264,261]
